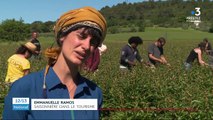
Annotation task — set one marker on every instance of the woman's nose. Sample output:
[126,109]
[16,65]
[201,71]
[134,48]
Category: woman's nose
[86,44]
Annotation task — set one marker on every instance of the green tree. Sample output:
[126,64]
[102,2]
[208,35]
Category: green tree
[37,26]
[211,28]
[49,26]
[13,30]
[169,13]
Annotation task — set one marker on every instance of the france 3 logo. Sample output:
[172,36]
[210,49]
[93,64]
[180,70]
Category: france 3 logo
[195,17]
[20,103]
[197,12]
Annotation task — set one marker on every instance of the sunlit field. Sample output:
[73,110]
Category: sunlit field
[167,92]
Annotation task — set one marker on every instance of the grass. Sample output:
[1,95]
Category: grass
[160,90]
[169,33]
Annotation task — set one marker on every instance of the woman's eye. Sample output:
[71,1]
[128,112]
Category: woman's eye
[80,36]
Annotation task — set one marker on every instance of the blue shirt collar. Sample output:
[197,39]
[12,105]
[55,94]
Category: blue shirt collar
[53,80]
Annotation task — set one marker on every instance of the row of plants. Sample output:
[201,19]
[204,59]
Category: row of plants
[143,93]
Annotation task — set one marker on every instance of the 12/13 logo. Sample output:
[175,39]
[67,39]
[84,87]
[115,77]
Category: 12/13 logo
[20,103]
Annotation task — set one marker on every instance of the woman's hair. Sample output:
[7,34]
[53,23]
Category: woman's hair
[202,46]
[162,40]
[22,49]
[136,40]
[95,33]
[205,40]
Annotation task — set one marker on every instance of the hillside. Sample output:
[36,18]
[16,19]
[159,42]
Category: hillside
[171,13]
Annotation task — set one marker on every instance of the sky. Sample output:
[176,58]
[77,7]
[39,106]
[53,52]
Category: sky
[48,10]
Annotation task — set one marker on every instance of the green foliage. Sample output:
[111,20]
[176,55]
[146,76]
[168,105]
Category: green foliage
[113,30]
[133,29]
[13,30]
[42,27]
[141,28]
[171,34]
[170,13]
[211,28]
[163,93]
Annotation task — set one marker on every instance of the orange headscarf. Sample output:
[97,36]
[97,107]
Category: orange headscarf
[89,14]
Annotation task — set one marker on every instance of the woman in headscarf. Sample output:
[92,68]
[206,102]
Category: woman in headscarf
[78,32]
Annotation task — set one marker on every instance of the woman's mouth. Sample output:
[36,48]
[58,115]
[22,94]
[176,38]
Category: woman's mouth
[81,55]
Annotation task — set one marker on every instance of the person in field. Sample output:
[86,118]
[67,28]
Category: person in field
[211,59]
[208,46]
[129,53]
[18,64]
[102,49]
[196,53]
[209,52]
[36,42]
[156,53]
[78,33]
[92,62]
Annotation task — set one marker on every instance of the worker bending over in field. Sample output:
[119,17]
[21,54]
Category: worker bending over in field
[18,64]
[78,33]
[208,45]
[196,53]
[155,53]
[102,49]
[129,53]
[92,62]
[211,59]
[209,52]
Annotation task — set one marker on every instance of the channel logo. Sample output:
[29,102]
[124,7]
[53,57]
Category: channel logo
[20,103]
[195,17]
[197,12]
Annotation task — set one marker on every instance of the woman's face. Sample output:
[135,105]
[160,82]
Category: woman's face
[77,46]
[28,54]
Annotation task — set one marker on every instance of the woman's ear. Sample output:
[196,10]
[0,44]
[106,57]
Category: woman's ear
[60,41]
[27,54]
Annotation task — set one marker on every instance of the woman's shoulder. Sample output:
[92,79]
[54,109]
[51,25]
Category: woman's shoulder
[14,56]
[26,82]
[151,45]
[17,57]
[197,50]
[127,47]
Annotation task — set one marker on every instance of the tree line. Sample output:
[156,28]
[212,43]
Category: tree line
[17,30]
[126,17]
[170,13]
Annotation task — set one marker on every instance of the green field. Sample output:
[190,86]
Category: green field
[166,93]
[169,33]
